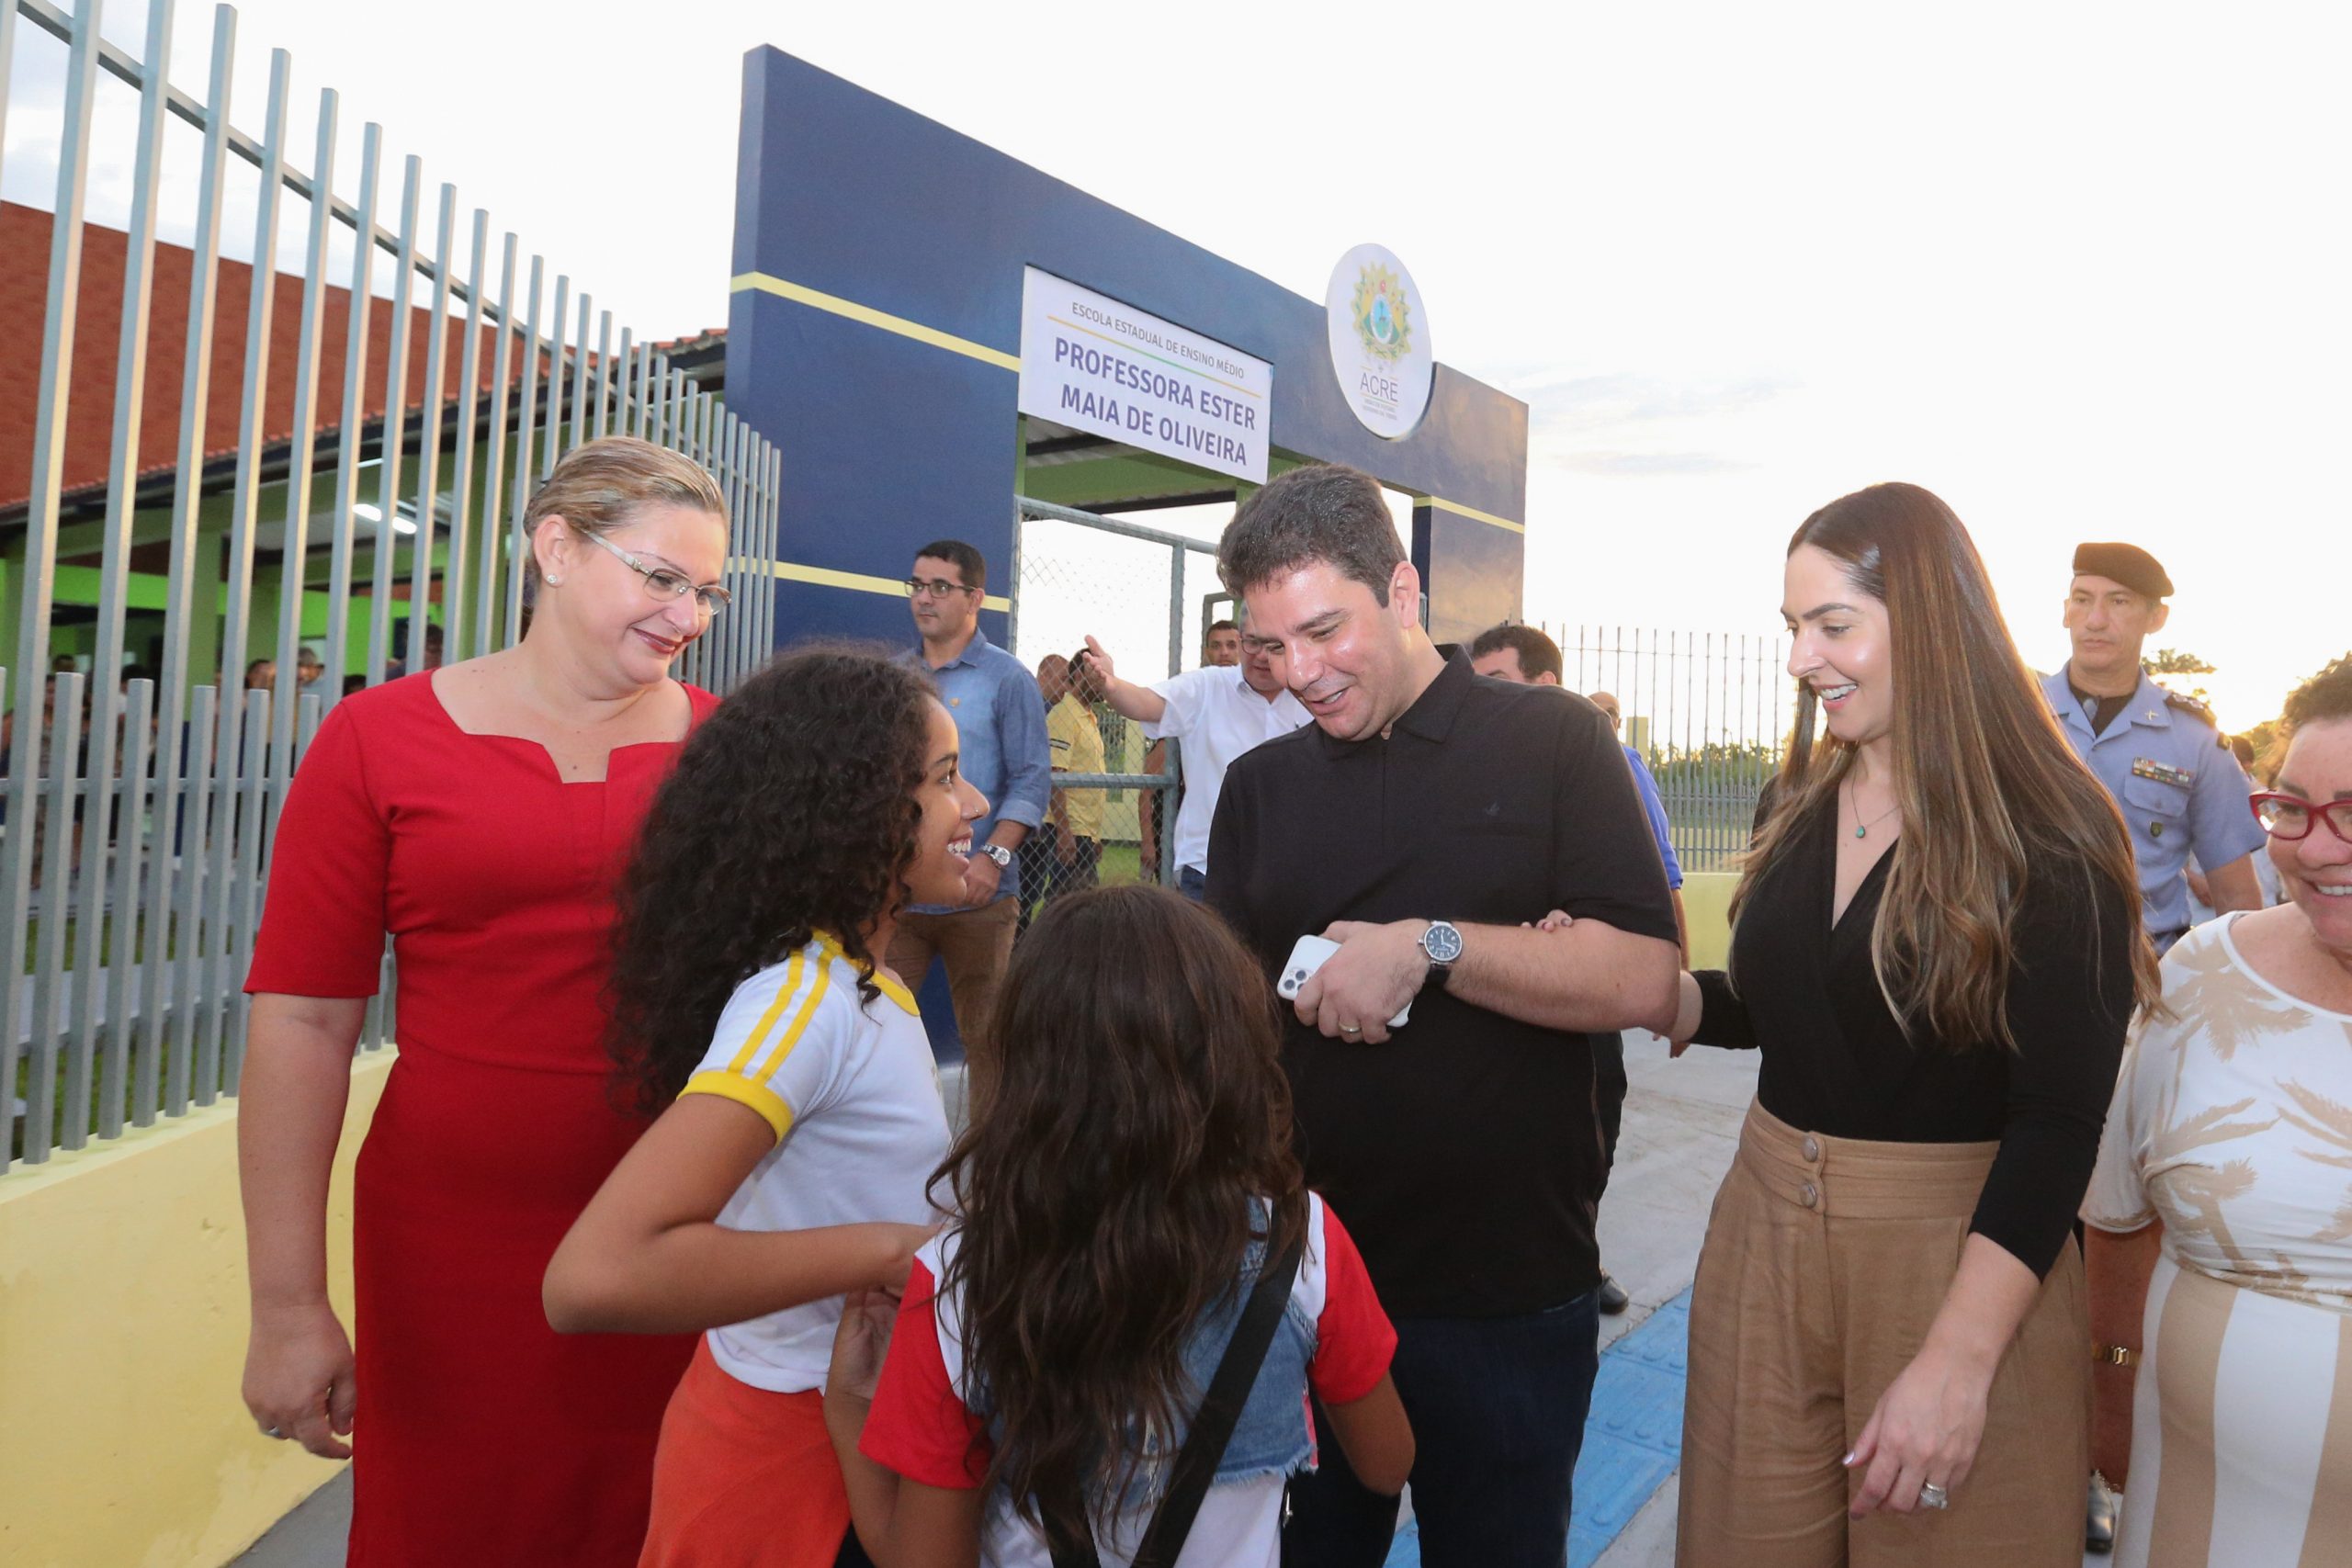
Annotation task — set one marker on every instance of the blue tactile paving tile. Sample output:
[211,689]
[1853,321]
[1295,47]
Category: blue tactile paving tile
[1632,1439]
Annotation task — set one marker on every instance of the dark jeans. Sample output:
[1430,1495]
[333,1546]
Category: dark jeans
[1192,882]
[1035,860]
[1046,876]
[1498,1406]
[1609,1095]
[1082,870]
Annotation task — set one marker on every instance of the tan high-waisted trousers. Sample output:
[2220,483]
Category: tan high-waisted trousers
[1825,1261]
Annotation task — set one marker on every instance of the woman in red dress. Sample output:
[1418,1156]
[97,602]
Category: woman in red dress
[477,813]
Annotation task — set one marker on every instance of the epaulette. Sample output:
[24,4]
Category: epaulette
[2194,709]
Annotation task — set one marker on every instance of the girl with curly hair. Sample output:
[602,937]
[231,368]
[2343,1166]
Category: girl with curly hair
[803,1111]
[1131,1178]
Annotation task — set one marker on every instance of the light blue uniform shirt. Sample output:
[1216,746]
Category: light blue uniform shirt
[1654,809]
[2178,790]
[1000,731]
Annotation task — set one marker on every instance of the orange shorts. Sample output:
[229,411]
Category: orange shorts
[743,1478]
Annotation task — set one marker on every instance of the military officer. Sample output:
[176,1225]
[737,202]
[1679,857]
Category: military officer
[2160,755]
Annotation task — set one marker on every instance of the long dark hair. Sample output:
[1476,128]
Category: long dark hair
[791,811]
[1992,795]
[1110,1191]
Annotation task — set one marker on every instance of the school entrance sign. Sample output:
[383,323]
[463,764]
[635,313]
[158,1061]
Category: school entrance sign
[926,328]
[1096,364]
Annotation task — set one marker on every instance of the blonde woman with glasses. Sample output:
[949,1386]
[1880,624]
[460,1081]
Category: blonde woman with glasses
[478,815]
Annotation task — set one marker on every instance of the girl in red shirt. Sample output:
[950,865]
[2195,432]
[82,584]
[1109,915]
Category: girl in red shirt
[1124,1181]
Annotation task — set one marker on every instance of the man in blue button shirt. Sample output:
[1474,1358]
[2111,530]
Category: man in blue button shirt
[2161,756]
[1000,729]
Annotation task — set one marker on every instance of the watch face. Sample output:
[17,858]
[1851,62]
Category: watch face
[1441,943]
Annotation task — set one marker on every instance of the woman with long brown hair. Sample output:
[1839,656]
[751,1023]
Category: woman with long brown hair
[1130,1176]
[1937,950]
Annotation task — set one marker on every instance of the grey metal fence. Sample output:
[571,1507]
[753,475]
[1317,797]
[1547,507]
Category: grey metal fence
[1709,712]
[138,802]
[1145,594]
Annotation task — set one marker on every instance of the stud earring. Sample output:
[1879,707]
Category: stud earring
[553,580]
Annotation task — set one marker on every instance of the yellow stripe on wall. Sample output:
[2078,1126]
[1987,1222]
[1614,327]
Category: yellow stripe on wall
[1471,511]
[826,577]
[801,294]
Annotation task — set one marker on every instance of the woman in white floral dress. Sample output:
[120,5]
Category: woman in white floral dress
[2221,1211]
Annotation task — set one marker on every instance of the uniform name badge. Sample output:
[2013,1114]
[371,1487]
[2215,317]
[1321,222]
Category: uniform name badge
[2149,768]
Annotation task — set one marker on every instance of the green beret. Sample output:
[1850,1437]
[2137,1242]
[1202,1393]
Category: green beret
[2127,564]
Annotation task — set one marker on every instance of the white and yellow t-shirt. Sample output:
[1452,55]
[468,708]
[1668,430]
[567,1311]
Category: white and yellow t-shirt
[852,1093]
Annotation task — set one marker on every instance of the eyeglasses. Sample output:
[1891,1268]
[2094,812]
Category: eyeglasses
[2290,816]
[935,587]
[663,583]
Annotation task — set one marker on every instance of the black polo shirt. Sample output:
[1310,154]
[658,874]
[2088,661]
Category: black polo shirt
[1464,1153]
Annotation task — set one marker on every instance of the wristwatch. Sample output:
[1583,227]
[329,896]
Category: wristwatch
[998,853]
[1441,945]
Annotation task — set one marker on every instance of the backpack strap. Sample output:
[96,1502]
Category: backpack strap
[1220,1411]
[1213,1424]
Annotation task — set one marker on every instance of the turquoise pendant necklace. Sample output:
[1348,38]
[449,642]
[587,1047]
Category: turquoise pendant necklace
[1862,828]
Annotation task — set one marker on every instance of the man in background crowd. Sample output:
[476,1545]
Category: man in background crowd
[1216,713]
[1221,644]
[1000,734]
[1074,740]
[1220,650]
[1524,656]
[2159,754]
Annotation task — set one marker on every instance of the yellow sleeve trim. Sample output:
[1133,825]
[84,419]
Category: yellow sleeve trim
[743,1062]
[897,993]
[796,1028]
[759,1097]
[832,945]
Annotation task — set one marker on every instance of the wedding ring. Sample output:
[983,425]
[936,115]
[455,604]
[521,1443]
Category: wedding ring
[1351,1029]
[1933,1496]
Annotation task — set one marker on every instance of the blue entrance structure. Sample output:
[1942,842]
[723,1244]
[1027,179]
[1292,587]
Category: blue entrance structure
[874,334]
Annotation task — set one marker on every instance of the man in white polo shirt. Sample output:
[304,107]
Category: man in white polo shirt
[1216,712]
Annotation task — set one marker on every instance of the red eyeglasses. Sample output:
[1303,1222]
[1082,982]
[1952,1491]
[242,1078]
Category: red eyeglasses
[2291,816]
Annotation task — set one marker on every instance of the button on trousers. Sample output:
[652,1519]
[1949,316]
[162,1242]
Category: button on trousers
[1825,1261]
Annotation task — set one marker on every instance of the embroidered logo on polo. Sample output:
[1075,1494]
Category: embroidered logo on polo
[2149,768]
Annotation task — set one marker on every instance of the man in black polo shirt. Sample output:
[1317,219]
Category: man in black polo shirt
[1422,817]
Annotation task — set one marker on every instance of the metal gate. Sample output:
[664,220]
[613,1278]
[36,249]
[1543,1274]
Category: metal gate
[353,508]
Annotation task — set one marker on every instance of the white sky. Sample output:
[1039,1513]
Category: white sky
[2079,268]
